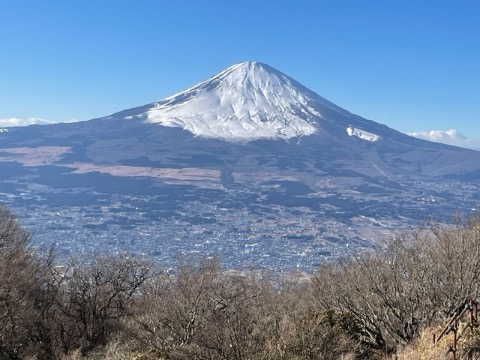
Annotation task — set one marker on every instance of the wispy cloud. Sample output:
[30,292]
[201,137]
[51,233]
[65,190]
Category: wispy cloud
[450,137]
[10,122]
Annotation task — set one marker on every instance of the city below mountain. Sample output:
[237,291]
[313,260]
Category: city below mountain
[249,165]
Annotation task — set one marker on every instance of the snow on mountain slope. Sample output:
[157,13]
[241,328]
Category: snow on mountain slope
[362,134]
[245,102]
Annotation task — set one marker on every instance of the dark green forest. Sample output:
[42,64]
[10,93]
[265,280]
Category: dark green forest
[382,305]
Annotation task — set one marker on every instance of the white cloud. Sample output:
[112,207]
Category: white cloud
[10,122]
[450,137]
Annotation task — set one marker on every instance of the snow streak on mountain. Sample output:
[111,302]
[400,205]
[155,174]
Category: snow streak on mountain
[247,101]
[364,135]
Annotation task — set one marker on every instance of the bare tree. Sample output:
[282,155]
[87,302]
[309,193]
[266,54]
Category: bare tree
[17,274]
[95,297]
[171,311]
[238,319]
[418,279]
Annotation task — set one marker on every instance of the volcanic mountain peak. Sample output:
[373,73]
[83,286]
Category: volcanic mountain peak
[244,102]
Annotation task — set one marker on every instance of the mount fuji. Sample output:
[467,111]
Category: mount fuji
[245,102]
[250,101]
[248,164]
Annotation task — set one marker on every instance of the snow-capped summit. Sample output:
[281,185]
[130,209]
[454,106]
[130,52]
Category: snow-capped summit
[245,102]
[250,101]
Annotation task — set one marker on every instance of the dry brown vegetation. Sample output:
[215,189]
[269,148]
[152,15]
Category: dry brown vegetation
[375,306]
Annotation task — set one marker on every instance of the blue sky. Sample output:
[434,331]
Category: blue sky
[412,65]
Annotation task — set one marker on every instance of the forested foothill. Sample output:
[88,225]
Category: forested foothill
[382,305]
